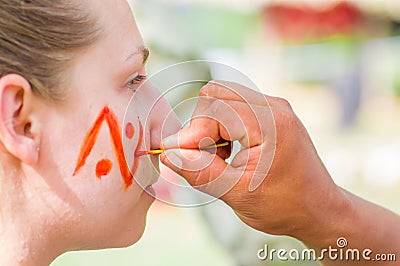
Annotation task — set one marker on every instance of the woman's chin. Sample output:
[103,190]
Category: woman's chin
[135,230]
[130,231]
[126,238]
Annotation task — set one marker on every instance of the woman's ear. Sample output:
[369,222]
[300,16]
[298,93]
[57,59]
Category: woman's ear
[16,119]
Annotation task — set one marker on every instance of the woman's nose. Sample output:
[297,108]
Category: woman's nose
[160,120]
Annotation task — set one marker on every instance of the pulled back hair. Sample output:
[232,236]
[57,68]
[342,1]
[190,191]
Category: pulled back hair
[39,38]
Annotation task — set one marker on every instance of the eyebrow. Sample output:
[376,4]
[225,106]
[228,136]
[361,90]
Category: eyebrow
[143,50]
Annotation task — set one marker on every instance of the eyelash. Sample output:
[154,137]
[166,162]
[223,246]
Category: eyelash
[131,85]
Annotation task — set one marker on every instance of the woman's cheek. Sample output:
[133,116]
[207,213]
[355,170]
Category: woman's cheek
[108,146]
[146,173]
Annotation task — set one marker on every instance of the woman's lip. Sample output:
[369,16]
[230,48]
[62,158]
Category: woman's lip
[155,152]
[140,153]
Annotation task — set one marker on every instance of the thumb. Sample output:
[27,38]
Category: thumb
[204,171]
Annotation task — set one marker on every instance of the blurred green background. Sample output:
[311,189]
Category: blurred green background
[335,61]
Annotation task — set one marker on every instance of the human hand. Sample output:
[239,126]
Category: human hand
[276,183]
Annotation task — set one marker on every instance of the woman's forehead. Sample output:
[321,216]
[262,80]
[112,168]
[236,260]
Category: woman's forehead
[120,35]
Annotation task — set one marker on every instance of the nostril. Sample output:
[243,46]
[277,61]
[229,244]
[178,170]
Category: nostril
[27,130]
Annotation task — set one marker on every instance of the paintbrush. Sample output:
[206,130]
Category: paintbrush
[155,152]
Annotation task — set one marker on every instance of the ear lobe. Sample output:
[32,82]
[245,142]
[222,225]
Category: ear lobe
[16,118]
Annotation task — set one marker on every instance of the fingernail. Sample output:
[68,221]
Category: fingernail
[173,158]
[170,142]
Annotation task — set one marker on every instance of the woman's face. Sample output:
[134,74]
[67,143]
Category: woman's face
[81,161]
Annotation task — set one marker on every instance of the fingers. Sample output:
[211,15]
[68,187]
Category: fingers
[212,175]
[225,110]
[225,90]
[230,112]
[231,120]
[204,171]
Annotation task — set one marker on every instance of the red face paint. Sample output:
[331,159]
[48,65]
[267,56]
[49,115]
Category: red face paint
[129,131]
[141,153]
[140,141]
[116,138]
[103,168]
[89,140]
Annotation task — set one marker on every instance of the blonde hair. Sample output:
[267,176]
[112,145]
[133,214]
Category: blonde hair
[38,39]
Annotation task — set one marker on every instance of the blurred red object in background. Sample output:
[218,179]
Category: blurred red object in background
[304,23]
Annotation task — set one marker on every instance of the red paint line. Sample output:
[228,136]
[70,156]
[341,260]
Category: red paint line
[139,145]
[116,136]
[141,153]
[90,140]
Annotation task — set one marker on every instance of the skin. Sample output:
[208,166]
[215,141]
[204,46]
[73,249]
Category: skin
[45,211]
[296,195]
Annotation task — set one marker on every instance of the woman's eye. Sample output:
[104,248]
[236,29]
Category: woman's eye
[132,84]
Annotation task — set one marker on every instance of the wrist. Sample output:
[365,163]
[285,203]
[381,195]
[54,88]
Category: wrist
[331,218]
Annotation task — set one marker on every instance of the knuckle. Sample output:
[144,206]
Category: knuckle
[256,135]
[204,91]
[216,89]
[283,102]
[209,89]
[278,102]
[285,118]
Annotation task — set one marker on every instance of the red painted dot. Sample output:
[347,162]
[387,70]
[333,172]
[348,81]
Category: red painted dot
[103,168]
[129,131]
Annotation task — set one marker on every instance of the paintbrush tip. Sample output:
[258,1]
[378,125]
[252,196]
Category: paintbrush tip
[151,152]
[154,152]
